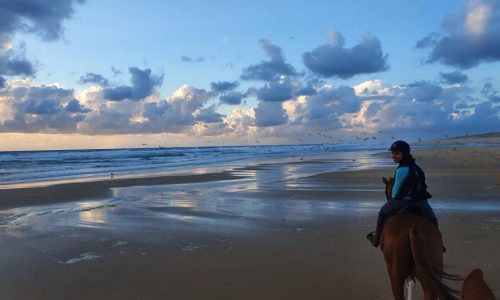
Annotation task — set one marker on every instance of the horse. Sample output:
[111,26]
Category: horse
[413,248]
[475,288]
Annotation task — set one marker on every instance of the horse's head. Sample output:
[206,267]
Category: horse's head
[474,287]
[389,183]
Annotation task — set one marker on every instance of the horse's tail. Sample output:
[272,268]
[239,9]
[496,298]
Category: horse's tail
[426,271]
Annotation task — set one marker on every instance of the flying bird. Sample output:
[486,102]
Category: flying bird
[257,141]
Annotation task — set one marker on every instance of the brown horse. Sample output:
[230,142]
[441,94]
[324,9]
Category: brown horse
[413,248]
[475,288]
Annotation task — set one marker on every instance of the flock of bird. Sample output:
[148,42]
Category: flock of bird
[327,137]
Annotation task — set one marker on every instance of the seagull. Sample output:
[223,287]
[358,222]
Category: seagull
[292,37]
[257,141]
[365,139]
[419,140]
[301,140]
[112,175]
[144,144]
[393,137]
[357,137]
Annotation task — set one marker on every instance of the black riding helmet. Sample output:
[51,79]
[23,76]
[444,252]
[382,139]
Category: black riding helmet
[400,146]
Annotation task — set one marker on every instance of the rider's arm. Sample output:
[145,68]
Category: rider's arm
[401,175]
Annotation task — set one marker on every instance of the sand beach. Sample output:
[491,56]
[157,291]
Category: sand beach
[285,230]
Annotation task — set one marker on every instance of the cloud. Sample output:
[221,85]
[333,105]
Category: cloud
[74,106]
[189,59]
[232,98]
[270,114]
[93,78]
[422,91]
[275,91]
[116,72]
[424,106]
[467,39]
[324,109]
[490,93]
[3,82]
[44,18]
[47,109]
[142,86]
[334,60]
[453,77]
[208,115]
[224,86]
[14,63]
[269,70]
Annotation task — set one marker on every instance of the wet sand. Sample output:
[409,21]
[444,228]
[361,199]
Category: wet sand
[278,231]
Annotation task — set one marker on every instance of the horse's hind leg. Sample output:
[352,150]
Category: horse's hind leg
[428,294]
[397,282]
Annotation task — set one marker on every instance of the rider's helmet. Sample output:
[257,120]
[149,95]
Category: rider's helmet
[400,146]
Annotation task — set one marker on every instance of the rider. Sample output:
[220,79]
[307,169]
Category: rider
[409,190]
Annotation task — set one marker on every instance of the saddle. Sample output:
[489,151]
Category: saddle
[411,209]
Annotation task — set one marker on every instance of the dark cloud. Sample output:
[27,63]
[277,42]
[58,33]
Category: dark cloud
[468,39]
[142,86]
[423,91]
[269,70]
[232,98]
[41,109]
[275,92]
[93,78]
[44,18]
[270,114]
[453,77]
[224,86]
[490,93]
[189,59]
[333,60]
[116,72]
[74,106]
[12,64]
[209,115]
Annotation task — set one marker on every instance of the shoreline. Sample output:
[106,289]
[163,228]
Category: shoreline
[92,190]
[443,167]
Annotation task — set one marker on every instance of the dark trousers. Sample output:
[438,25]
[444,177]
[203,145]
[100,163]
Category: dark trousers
[420,207]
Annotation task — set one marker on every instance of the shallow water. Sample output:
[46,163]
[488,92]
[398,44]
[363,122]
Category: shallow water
[268,193]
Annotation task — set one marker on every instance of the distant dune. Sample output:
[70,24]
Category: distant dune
[489,138]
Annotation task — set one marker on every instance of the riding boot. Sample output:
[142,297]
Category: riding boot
[374,237]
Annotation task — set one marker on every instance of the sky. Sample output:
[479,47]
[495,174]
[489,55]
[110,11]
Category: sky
[106,74]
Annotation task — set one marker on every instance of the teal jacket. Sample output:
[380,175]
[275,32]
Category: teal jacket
[409,181]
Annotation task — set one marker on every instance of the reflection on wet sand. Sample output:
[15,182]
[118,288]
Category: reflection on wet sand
[91,213]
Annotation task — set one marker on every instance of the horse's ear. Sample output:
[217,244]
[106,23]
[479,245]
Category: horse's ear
[384,180]
[391,179]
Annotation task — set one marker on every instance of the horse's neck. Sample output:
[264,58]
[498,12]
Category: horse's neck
[388,188]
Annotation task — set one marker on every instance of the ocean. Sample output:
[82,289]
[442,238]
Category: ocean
[18,167]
